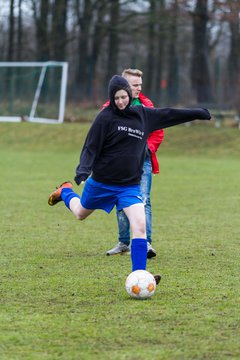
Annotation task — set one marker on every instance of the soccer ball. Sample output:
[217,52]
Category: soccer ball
[140,284]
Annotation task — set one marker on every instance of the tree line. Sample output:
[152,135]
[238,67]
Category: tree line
[188,50]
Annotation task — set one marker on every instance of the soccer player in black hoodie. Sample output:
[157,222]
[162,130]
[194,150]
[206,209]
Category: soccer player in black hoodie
[112,159]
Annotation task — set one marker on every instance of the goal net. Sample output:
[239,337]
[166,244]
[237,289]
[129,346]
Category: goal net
[33,91]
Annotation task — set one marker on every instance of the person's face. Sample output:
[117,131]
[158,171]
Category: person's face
[121,99]
[135,83]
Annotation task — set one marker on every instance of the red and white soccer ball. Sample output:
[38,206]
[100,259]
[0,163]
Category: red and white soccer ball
[140,284]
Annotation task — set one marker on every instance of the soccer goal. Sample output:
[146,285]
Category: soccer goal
[33,91]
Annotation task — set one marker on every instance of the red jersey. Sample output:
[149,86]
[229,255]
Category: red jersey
[154,139]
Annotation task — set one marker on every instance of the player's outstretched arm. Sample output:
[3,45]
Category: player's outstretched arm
[167,117]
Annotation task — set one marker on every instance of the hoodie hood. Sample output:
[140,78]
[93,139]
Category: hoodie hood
[118,83]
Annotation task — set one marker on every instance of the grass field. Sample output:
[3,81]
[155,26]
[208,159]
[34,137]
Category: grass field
[61,297]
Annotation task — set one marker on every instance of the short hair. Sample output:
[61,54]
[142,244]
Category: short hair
[133,72]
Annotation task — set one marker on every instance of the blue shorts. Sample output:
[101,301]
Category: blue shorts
[97,195]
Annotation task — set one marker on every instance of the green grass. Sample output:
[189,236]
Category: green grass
[62,298]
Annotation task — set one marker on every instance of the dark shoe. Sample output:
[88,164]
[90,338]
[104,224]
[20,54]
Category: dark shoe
[157,278]
[55,196]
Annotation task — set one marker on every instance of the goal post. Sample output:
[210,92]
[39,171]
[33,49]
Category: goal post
[33,91]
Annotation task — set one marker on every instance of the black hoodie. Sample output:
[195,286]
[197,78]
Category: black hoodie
[114,148]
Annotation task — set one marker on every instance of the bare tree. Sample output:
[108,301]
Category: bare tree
[151,46]
[113,43]
[19,32]
[10,53]
[162,20]
[234,56]
[59,30]
[233,17]
[41,9]
[173,62]
[200,73]
[99,32]
[84,11]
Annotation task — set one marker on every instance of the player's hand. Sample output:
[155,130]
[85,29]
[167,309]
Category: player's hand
[80,179]
[206,114]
